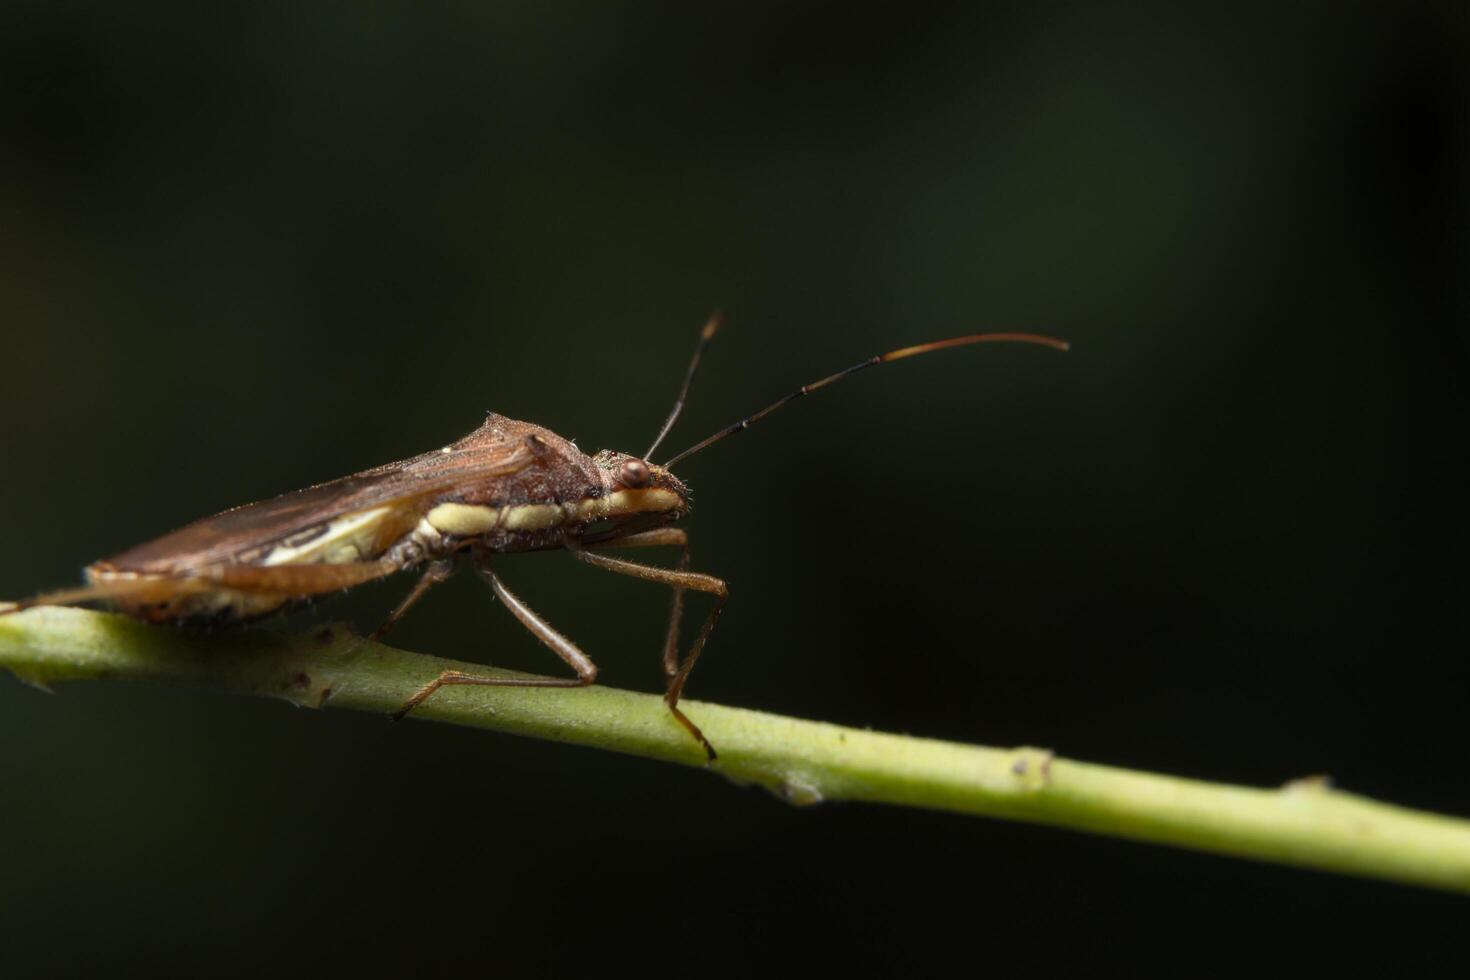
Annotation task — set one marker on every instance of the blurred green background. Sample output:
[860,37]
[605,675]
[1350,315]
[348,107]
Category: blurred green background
[248,249]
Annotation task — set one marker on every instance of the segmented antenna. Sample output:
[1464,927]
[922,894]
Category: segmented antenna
[715,320]
[893,355]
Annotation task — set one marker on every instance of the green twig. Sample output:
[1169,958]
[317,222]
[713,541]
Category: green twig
[1304,823]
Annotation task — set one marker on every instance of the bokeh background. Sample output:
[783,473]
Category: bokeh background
[248,249]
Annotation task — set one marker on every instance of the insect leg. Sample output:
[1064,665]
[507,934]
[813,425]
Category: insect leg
[657,538]
[560,645]
[140,590]
[662,537]
[677,579]
[437,572]
[293,580]
[281,581]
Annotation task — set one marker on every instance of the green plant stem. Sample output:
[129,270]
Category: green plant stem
[1304,823]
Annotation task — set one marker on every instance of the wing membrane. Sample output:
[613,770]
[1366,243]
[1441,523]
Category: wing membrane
[403,487]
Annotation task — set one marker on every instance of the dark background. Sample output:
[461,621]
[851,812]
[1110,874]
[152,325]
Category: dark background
[247,250]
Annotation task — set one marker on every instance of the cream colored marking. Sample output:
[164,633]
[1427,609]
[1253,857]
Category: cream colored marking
[467,519]
[531,517]
[303,537]
[95,574]
[239,604]
[447,449]
[463,519]
[621,502]
[347,539]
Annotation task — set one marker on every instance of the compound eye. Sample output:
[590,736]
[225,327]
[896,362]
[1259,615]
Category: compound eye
[634,473]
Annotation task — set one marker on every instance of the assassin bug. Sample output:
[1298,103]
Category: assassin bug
[509,486]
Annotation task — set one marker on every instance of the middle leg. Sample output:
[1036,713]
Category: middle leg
[543,631]
[437,572]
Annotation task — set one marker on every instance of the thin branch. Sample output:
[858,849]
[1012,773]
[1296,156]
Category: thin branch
[1304,823]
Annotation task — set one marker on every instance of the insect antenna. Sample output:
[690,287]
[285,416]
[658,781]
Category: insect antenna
[893,355]
[715,320]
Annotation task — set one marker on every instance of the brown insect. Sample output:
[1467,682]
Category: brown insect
[508,486]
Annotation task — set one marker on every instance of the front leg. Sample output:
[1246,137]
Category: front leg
[670,537]
[678,580]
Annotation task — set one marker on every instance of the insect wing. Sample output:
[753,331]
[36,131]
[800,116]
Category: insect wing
[388,500]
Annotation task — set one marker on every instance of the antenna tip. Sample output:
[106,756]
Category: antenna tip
[716,319]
